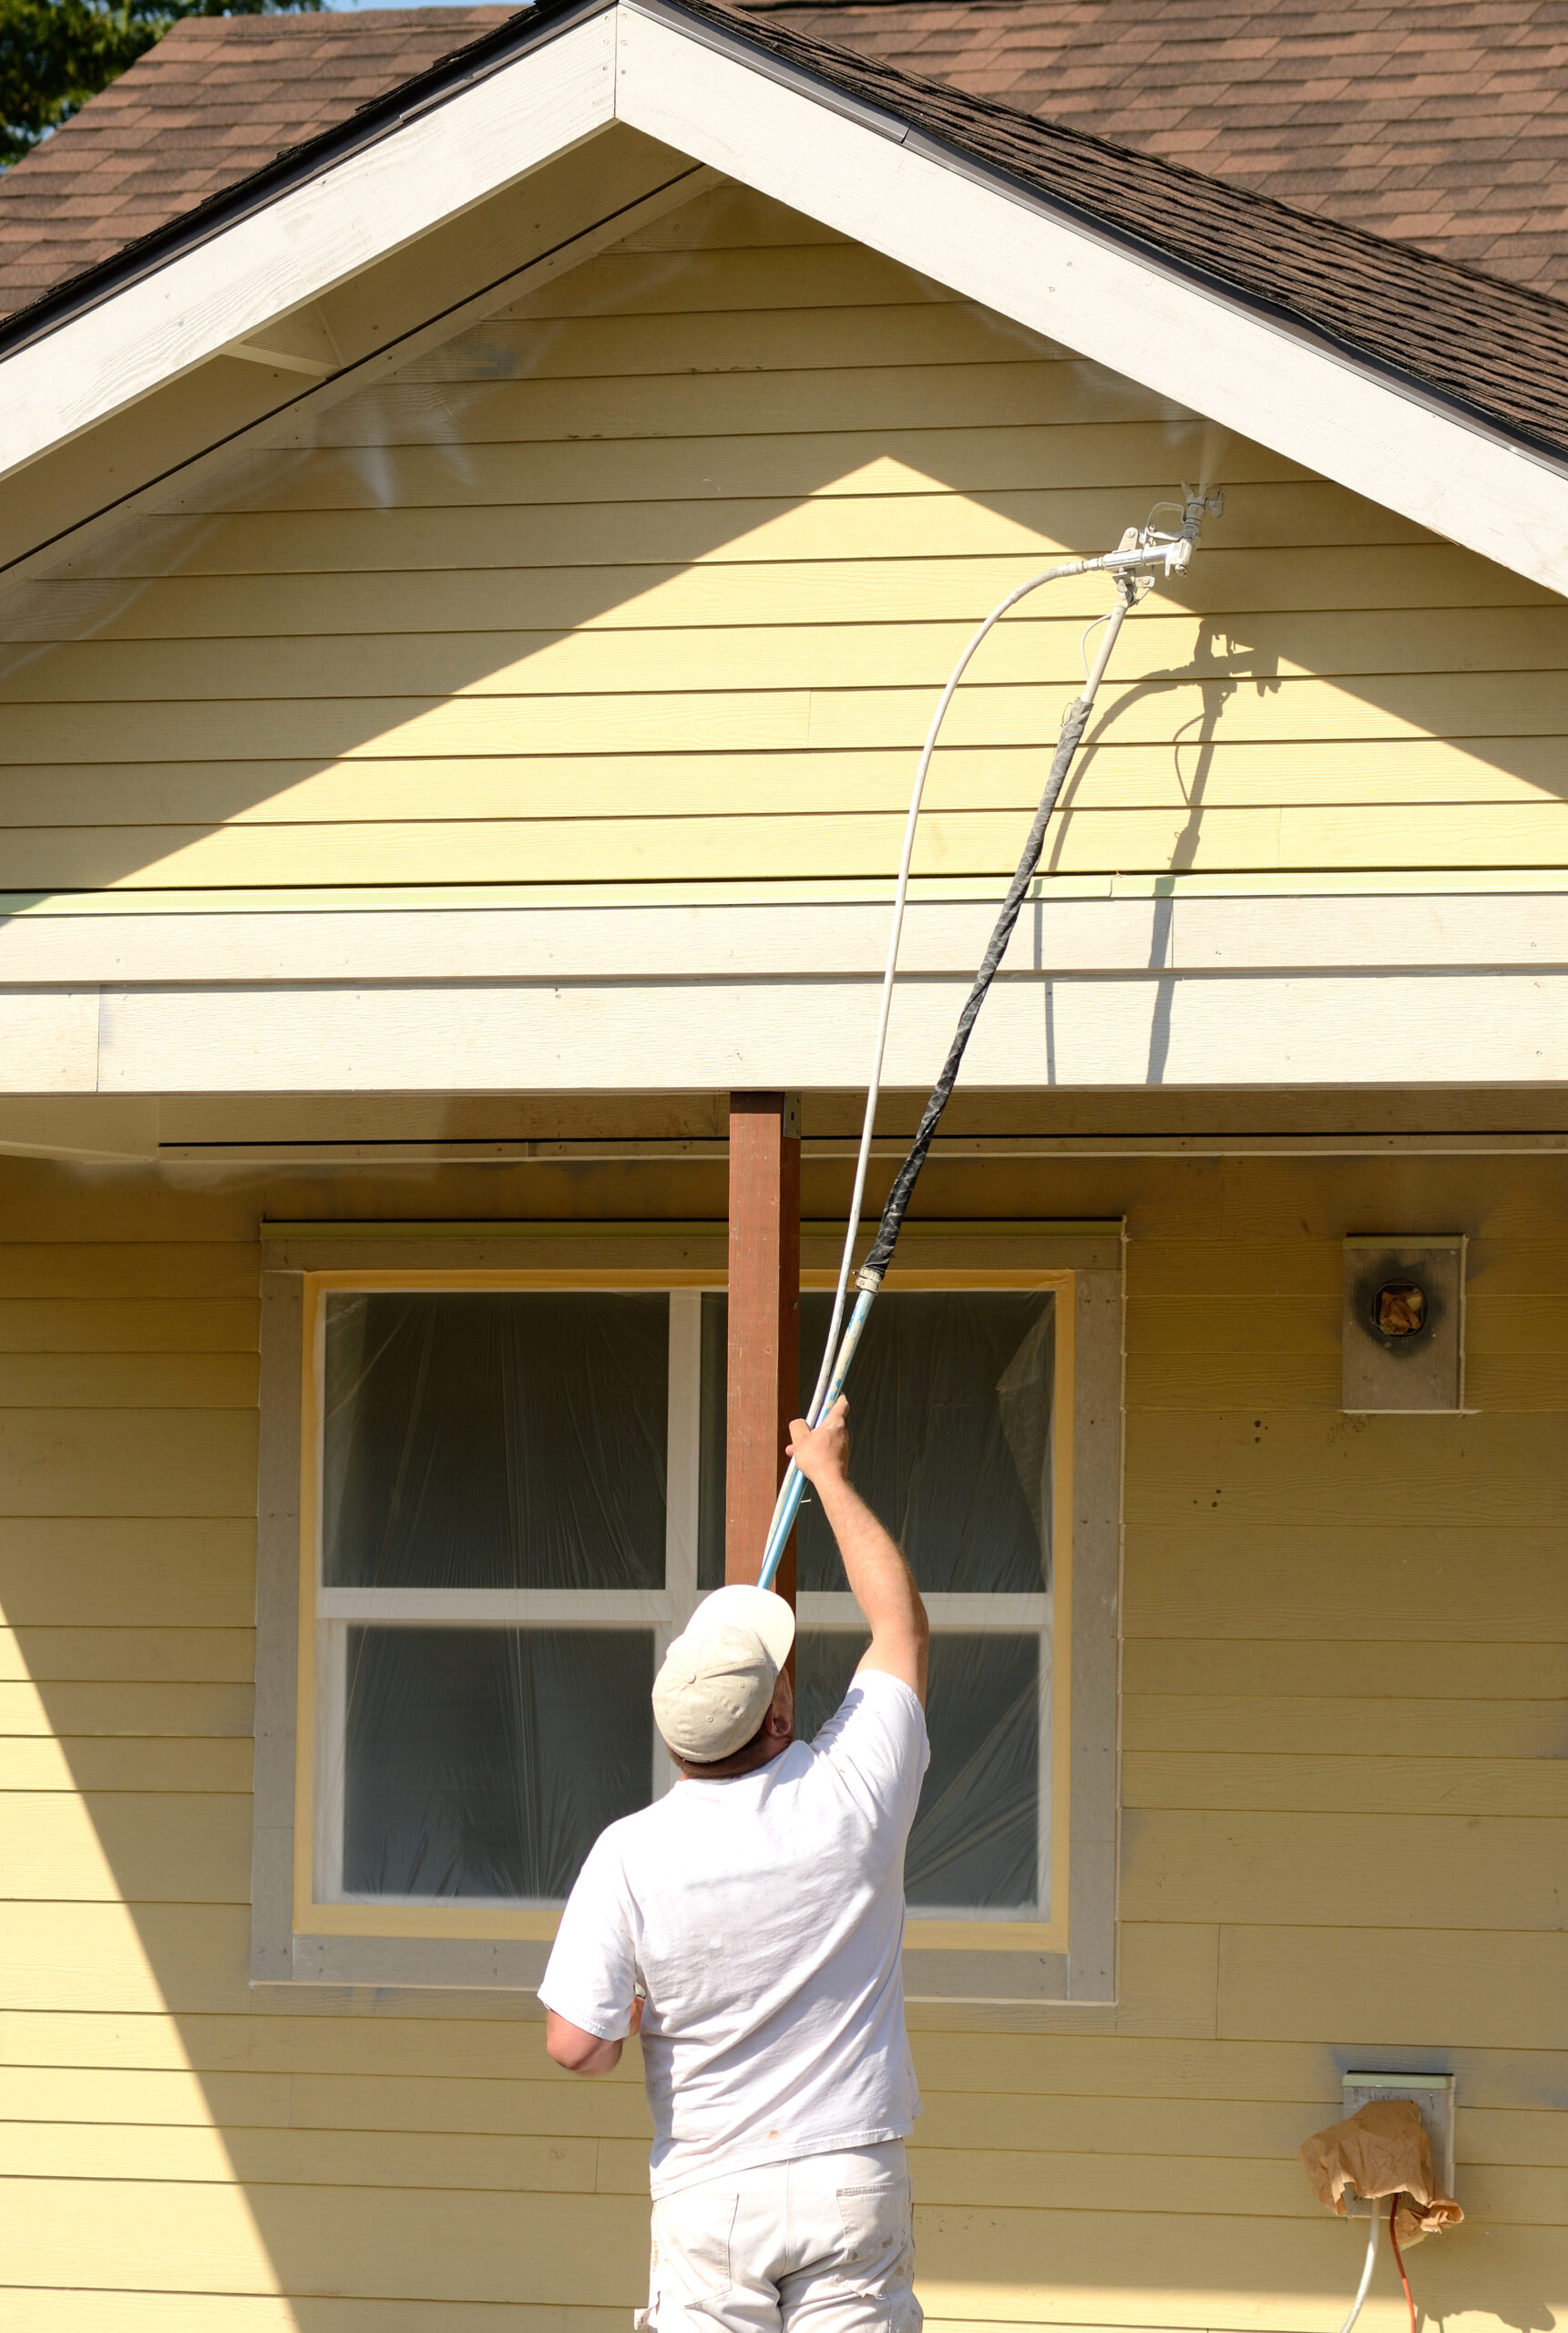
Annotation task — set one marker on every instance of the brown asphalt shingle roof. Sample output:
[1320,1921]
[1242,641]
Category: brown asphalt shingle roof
[1495,348]
[217,99]
[1439,122]
[1442,123]
[1499,349]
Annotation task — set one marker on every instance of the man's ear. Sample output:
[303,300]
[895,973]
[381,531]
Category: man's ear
[780,1719]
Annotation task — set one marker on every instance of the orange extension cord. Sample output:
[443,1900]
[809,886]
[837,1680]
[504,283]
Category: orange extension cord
[1400,2259]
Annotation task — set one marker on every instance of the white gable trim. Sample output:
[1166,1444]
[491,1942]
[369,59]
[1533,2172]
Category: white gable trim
[1224,360]
[1117,994]
[709,96]
[1401,1029]
[286,254]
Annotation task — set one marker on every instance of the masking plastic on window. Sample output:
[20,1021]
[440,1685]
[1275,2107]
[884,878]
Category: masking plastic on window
[950,1420]
[475,1441]
[495,1439]
[486,1762]
[483,1440]
[981,1838]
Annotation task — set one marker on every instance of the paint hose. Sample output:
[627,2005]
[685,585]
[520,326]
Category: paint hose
[1365,2286]
[1143,553]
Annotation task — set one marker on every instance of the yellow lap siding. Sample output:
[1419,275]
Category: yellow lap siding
[86,1763]
[654,576]
[73,1709]
[1240,588]
[85,1324]
[1040,646]
[132,1570]
[1387,1784]
[1342,1793]
[118,1462]
[165,1845]
[177,1655]
[142,1380]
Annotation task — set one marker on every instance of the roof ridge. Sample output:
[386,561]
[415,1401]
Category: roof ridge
[1493,349]
[781,39]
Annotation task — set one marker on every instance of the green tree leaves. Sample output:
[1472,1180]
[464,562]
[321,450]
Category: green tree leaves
[57,54]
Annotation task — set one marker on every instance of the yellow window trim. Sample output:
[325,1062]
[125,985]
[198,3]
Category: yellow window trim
[491,1923]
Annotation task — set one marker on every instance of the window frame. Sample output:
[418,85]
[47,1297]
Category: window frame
[313,1934]
[327,1614]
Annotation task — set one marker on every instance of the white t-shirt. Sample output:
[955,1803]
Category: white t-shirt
[764,1918]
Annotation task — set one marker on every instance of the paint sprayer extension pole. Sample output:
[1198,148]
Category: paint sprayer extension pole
[1143,554]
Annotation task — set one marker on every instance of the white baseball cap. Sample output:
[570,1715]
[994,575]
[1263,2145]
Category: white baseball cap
[713,1690]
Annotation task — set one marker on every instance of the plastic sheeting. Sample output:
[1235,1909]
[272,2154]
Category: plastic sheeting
[950,1419]
[477,1439]
[951,1410]
[977,1841]
[486,1762]
[495,1439]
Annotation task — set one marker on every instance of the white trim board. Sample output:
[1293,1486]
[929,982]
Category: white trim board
[851,168]
[1148,322]
[131,899]
[843,940]
[107,508]
[280,258]
[1390,1028]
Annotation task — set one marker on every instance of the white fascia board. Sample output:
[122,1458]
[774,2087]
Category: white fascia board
[1394,1029]
[846,940]
[1022,257]
[852,169]
[289,253]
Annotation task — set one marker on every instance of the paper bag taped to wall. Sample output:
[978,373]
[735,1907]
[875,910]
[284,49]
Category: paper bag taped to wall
[1381,2151]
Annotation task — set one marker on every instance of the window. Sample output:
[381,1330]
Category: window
[509,1496]
[492,1553]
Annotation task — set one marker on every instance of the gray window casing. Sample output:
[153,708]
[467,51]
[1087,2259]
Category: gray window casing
[280,1957]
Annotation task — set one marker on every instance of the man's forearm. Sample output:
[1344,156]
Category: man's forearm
[880,1582]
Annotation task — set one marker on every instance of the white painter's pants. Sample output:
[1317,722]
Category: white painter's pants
[822,2245]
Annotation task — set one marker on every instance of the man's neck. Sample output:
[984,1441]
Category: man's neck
[745,1762]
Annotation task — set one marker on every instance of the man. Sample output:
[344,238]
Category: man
[750,1925]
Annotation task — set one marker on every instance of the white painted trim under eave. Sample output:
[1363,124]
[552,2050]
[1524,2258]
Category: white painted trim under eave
[1115,1032]
[843,940]
[1155,325]
[276,259]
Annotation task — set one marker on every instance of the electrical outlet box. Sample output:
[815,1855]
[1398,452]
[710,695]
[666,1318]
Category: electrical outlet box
[1402,1327]
[1433,2093]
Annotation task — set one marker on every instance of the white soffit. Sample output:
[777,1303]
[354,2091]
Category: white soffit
[287,253]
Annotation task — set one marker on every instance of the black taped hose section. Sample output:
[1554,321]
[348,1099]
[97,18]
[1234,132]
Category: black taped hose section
[870,1276]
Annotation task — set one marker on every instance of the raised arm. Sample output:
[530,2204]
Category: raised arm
[879,1579]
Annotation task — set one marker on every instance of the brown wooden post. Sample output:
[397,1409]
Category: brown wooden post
[764,1323]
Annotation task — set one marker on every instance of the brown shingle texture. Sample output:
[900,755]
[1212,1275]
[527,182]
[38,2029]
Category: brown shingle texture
[219,98]
[1499,348]
[1440,122]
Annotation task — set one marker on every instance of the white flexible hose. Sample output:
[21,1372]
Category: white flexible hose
[900,896]
[1365,2284]
[1135,562]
